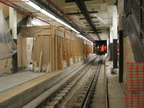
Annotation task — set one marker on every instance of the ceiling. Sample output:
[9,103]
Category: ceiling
[98,11]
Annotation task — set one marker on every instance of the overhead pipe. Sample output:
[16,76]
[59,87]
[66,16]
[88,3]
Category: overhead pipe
[54,12]
[64,14]
[84,10]
[29,14]
[25,13]
[91,38]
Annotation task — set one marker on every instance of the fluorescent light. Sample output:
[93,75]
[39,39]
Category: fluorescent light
[50,15]
[33,5]
[58,20]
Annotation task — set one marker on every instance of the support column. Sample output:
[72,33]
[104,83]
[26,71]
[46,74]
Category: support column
[13,26]
[115,53]
[115,21]
[120,56]
[111,44]
[13,22]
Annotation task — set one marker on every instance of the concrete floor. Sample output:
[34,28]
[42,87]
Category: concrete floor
[99,99]
[116,95]
[115,92]
[10,81]
[19,89]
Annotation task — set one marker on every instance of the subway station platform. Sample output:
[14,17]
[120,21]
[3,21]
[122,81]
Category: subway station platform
[11,81]
[17,90]
[116,96]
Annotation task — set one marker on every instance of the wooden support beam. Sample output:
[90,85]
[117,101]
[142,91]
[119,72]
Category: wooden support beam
[40,61]
[19,44]
[55,52]
[52,51]
[50,46]
[55,47]
[59,52]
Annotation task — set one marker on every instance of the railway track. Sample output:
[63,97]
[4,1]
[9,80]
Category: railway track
[83,99]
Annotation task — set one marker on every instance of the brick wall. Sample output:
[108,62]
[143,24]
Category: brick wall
[128,54]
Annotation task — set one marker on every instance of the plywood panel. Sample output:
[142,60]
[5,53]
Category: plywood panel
[37,49]
[27,46]
[72,37]
[23,50]
[67,35]
[45,32]
[52,50]
[55,52]
[59,52]
[58,47]
[5,9]
[37,30]
[46,50]
[68,51]
[19,51]
[59,33]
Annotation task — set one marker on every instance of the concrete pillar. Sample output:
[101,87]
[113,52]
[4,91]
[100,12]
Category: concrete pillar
[114,53]
[111,44]
[13,26]
[115,22]
[121,66]
[13,22]
[115,35]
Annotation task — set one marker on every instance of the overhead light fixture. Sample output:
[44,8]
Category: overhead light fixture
[84,37]
[34,5]
[50,15]
[63,23]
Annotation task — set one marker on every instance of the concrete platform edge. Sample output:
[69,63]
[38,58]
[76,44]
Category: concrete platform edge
[25,97]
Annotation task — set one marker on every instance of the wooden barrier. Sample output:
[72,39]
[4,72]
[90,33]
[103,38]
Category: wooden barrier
[52,47]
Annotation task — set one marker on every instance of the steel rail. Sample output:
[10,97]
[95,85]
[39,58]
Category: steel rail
[41,105]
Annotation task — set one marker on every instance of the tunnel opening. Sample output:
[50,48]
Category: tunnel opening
[100,47]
